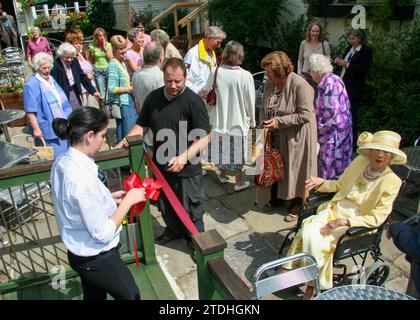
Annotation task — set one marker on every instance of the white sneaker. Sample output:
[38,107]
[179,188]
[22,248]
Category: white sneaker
[222,179]
[203,172]
[242,186]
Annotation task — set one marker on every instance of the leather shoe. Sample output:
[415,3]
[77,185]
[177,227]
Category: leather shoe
[164,239]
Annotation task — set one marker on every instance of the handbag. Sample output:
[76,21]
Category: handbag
[44,152]
[111,109]
[212,96]
[271,166]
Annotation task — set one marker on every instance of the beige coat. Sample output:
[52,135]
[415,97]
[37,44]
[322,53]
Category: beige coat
[296,138]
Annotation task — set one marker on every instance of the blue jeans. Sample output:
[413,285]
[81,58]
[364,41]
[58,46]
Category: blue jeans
[129,118]
[101,78]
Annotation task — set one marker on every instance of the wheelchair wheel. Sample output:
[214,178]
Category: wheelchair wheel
[376,274]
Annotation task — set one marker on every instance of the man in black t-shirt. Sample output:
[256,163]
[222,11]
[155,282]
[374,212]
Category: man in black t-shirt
[180,124]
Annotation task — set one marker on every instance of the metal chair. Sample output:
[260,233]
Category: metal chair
[274,281]
[21,198]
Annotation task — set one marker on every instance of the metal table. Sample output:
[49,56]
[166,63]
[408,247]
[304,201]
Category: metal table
[7,116]
[362,292]
[11,154]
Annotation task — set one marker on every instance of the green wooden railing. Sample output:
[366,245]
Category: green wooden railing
[216,280]
[35,174]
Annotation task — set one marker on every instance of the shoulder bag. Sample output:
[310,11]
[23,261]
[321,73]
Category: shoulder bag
[111,109]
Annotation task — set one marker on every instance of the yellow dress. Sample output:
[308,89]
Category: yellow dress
[309,239]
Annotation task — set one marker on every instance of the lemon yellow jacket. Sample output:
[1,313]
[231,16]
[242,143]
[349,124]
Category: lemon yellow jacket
[378,202]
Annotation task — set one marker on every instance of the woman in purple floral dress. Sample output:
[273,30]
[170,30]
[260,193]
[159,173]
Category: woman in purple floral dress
[332,108]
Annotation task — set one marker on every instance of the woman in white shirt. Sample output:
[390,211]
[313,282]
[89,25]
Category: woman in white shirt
[88,214]
[313,44]
[233,114]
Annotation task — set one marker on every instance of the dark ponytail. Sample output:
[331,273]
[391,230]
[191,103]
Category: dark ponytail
[80,122]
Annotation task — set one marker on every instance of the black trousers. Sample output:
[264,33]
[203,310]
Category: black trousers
[354,106]
[104,273]
[189,191]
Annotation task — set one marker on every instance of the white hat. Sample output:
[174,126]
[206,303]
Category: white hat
[388,141]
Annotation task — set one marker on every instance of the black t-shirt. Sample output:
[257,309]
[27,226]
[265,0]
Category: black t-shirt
[172,123]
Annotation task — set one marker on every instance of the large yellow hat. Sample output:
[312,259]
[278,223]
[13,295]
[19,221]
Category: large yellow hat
[388,141]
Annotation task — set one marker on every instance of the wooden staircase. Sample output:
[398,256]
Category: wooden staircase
[181,41]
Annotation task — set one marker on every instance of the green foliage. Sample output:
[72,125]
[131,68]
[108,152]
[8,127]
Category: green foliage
[393,85]
[27,3]
[101,15]
[42,21]
[146,15]
[288,36]
[79,20]
[247,22]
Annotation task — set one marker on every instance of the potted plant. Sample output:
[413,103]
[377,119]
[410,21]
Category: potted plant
[11,98]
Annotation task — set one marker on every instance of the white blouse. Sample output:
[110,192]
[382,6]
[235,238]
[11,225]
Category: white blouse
[83,205]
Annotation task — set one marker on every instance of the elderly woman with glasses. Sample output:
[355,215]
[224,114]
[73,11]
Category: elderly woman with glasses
[36,44]
[288,105]
[44,100]
[70,76]
[364,196]
[332,108]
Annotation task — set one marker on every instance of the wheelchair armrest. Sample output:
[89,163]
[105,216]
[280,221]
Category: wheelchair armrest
[320,196]
[357,231]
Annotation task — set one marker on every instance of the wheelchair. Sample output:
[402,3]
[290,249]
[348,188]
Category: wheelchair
[357,243]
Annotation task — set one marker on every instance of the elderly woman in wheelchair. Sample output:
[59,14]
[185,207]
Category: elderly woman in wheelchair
[364,195]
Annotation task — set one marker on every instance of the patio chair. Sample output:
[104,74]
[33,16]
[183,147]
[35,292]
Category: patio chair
[266,280]
[16,196]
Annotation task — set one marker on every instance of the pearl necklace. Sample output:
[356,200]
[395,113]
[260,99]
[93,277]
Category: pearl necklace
[370,174]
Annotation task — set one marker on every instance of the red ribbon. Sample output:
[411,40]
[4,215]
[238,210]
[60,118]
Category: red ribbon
[173,199]
[152,192]
[150,186]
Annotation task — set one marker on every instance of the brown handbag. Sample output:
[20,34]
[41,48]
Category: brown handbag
[212,96]
[271,167]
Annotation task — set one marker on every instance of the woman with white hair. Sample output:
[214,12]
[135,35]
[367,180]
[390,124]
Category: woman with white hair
[162,37]
[70,76]
[36,44]
[333,115]
[44,101]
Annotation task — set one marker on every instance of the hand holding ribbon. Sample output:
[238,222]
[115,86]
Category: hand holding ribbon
[152,192]
[151,187]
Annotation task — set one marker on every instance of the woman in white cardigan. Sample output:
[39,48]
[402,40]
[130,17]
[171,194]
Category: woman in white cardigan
[233,114]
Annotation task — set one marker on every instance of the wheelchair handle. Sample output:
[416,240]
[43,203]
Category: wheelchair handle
[281,261]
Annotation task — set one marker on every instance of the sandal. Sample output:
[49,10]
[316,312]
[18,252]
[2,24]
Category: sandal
[291,217]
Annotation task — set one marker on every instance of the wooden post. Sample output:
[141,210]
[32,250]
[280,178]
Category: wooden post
[189,34]
[176,22]
[146,227]
[76,6]
[209,245]
[202,28]
[46,12]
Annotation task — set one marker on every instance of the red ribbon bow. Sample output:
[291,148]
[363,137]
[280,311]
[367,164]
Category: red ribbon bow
[150,186]
[152,192]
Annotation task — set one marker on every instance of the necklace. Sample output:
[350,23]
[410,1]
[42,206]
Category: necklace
[370,174]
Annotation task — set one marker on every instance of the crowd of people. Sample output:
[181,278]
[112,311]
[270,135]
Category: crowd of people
[311,114]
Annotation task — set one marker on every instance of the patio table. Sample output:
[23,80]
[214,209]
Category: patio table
[7,116]
[11,154]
